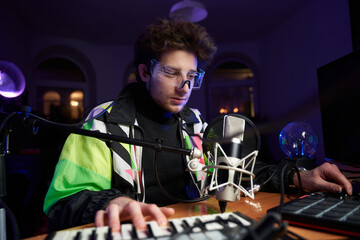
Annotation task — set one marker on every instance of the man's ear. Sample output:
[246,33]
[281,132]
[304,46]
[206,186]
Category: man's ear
[144,72]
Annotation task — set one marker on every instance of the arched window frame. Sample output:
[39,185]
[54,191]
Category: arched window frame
[74,56]
[231,57]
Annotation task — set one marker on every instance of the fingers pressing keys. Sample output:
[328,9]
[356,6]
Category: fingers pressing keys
[213,226]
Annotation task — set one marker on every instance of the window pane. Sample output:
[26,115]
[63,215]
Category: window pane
[76,105]
[232,71]
[59,69]
[50,98]
[233,100]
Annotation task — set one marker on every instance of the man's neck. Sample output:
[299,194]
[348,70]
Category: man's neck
[150,109]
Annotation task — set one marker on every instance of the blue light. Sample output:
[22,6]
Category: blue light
[298,139]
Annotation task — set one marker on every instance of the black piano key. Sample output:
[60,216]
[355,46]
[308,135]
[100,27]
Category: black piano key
[50,235]
[109,234]
[150,231]
[173,228]
[93,235]
[200,224]
[185,224]
[242,229]
[134,233]
[221,221]
[234,219]
[78,236]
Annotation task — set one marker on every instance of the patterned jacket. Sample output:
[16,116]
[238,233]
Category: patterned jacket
[90,172]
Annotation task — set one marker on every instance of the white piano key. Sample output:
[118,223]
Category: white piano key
[61,235]
[177,225]
[142,233]
[232,224]
[116,236]
[210,226]
[126,231]
[86,233]
[160,231]
[102,232]
[225,217]
[191,223]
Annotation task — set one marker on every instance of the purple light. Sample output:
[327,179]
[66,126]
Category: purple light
[12,81]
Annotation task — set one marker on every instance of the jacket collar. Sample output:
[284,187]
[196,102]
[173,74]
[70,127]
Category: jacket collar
[124,111]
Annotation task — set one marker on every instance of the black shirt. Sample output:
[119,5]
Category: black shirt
[162,126]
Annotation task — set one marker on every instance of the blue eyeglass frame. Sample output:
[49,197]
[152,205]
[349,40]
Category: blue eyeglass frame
[197,81]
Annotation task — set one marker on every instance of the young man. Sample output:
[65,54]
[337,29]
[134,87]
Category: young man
[107,182]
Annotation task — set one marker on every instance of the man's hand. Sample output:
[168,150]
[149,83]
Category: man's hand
[326,178]
[123,208]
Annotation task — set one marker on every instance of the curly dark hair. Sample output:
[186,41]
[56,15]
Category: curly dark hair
[174,34]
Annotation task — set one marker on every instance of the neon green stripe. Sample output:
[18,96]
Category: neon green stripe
[89,153]
[70,178]
[187,142]
[85,163]
[208,163]
[88,125]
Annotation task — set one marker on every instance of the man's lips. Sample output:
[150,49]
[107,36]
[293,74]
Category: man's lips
[178,101]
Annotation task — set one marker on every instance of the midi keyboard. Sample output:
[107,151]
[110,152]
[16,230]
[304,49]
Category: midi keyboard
[222,226]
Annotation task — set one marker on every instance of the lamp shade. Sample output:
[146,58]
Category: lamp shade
[192,11]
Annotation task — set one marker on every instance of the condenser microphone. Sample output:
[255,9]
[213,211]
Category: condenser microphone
[233,135]
[230,162]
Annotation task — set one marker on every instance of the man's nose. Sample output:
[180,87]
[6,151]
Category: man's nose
[185,86]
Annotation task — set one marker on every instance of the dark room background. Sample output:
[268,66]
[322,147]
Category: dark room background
[265,68]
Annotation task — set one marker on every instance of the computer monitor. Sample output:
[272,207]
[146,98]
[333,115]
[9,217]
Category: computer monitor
[339,92]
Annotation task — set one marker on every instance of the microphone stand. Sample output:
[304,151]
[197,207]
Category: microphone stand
[70,129]
[104,136]
[3,149]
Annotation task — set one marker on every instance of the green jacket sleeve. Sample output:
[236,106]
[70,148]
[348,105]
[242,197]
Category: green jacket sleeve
[85,163]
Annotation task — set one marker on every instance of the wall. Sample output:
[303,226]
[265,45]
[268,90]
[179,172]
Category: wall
[109,63]
[286,59]
[289,58]
[14,41]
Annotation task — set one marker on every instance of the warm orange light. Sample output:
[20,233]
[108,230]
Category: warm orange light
[74,103]
[223,110]
[235,110]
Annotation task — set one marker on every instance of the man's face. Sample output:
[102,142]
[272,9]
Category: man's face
[165,93]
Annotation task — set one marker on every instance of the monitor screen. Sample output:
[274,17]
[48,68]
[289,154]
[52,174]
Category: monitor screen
[339,92]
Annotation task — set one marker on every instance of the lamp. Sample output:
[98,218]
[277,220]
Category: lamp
[298,141]
[192,11]
[12,81]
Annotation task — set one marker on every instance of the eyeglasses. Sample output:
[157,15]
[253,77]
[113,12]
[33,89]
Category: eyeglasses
[175,76]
